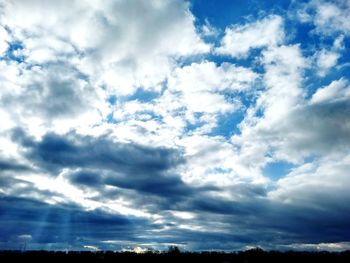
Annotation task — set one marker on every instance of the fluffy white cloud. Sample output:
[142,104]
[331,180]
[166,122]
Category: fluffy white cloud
[325,60]
[338,43]
[284,125]
[215,161]
[239,40]
[283,77]
[72,48]
[261,128]
[45,49]
[329,17]
[202,85]
[196,95]
[323,182]
[121,44]
[337,90]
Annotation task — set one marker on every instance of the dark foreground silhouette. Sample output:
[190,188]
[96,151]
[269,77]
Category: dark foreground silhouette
[255,255]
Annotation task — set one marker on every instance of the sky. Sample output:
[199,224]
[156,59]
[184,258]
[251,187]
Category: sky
[209,125]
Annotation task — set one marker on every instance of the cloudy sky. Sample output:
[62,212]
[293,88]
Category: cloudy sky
[202,124]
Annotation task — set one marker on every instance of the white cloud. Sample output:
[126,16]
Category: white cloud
[195,95]
[215,161]
[208,76]
[8,77]
[103,51]
[200,86]
[239,40]
[91,248]
[261,128]
[209,30]
[329,17]
[184,215]
[280,133]
[332,247]
[283,125]
[337,90]
[338,43]
[325,60]
[121,44]
[44,49]
[332,16]
[321,183]
[4,38]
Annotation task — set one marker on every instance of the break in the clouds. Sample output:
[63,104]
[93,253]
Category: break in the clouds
[129,124]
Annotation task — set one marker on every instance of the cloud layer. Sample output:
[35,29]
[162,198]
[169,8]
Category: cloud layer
[143,124]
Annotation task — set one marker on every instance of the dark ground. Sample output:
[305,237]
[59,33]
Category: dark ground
[246,256]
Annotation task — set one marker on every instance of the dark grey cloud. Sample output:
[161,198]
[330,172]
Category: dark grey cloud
[9,182]
[12,165]
[86,178]
[17,187]
[307,224]
[103,162]
[235,225]
[147,178]
[219,206]
[267,223]
[170,185]
[61,224]
[54,152]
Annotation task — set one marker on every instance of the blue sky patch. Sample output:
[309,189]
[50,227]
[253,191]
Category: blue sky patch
[277,170]
[12,50]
